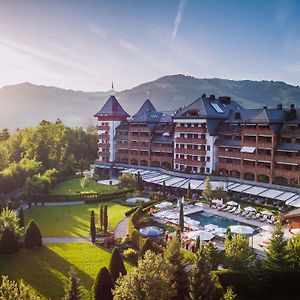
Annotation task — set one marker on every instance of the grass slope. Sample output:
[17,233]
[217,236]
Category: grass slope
[72,220]
[72,187]
[46,269]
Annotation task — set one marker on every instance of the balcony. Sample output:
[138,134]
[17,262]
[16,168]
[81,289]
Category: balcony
[262,171]
[246,143]
[103,127]
[245,155]
[162,147]
[162,158]
[264,144]
[122,146]
[190,162]
[258,131]
[190,141]
[231,154]
[103,136]
[137,128]
[190,151]
[103,145]
[287,159]
[190,129]
[289,174]
[263,157]
[229,166]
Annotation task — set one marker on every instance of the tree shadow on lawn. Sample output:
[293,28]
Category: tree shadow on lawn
[44,270]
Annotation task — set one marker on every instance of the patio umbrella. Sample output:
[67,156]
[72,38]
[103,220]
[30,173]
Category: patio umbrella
[151,231]
[219,230]
[241,229]
[267,213]
[192,222]
[232,203]
[210,227]
[204,235]
[250,208]
[295,230]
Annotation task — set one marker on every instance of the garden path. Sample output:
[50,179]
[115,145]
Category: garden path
[66,240]
[121,228]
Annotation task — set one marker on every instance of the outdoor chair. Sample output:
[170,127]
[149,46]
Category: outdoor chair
[237,212]
[227,208]
[232,210]
[256,216]
[245,212]
[264,218]
[221,207]
[248,216]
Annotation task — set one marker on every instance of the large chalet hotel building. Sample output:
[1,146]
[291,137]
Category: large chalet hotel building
[210,136]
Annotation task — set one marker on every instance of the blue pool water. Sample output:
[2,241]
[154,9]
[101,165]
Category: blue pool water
[206,218]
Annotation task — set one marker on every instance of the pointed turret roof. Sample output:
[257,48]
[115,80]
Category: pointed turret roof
[145,108]
[112,107]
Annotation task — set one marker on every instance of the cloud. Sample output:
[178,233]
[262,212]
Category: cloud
[100,32]
[178,19]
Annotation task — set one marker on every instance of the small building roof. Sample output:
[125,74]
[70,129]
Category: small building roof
[292,214]
[145,108]
[112,107]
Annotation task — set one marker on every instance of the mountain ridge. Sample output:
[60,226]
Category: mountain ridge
[26,104]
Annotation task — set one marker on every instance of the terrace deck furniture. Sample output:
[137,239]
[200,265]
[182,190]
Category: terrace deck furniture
[249,216]
[221,207]
[232,210]
[244,213]
[227,208]
[237,212]
[256,216]
[264,218]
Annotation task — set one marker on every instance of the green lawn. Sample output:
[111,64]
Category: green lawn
[72,187]
[46,269]
[72,220]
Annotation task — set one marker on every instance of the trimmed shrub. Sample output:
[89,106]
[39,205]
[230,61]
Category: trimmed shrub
[102,288]
[33,237]
[21,217]
[131,255]
[9,243]
[135,239]
[116,265]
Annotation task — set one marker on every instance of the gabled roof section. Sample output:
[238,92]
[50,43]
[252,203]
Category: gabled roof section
[208,108]
[112,107]
[268,115]
[145,108]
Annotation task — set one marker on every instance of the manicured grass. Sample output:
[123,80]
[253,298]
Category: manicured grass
[72,187]
[72,220]
[46,269]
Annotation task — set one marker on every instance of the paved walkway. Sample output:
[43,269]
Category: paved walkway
[121,229]
[66,240]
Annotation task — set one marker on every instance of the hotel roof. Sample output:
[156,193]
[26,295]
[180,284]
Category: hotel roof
[112,107]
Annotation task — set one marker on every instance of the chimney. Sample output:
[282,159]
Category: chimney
[292,113]
[265,107]
[212,97]
[279,106]
[225,99]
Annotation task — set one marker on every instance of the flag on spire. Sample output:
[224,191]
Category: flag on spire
[112,85]
[148,92]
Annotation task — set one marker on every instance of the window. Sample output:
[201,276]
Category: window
[207,170]
[208,148]
[208,158]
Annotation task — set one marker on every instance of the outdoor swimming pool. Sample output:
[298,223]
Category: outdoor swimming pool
[206,218]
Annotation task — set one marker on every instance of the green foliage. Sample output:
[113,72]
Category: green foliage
[33,237]
[212,255]
[92,227]
[84,181]
[239,254]
[151,280]
[219,193]
[203,286]
[181,218]
[9,243]
[102,288]
[9,220]
[21,217]
[229,295]
[101,217]
[105,218]
[293,253]
[129,180]
[72,288]
[198,243]
[207,192]
[188,191]
[116,265]
[276,253]
[173,254]
[131,255]
[33,151]
[10,290]
[135,239]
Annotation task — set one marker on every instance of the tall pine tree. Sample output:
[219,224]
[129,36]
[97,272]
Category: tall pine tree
[181,218]
[102,288]
[101,217]
[72,288]
[92,227]
[174,255]
[21,217]
[116,265]
[105,219]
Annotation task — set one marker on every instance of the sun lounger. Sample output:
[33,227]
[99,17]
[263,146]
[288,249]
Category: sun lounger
[249,215]
[272,220]
[264,218]
[232,210]
[256,216]
[237,212]
[221,207]
[245,212]
[227,208]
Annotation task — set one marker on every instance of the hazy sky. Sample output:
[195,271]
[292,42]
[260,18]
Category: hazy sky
[83,44]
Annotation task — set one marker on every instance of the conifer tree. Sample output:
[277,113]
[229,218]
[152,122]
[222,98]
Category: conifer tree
[33,236]
[103,285]
[173,254]
[293,253]
[164,189]
[101,217]
[72,288]
[105,219]
[92,227]
[207,192]
[181,218]
[198,243]
[276,255]
[212,255]
[9,243]
[116,265]
[202,285]
[188,191]
[21,217]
